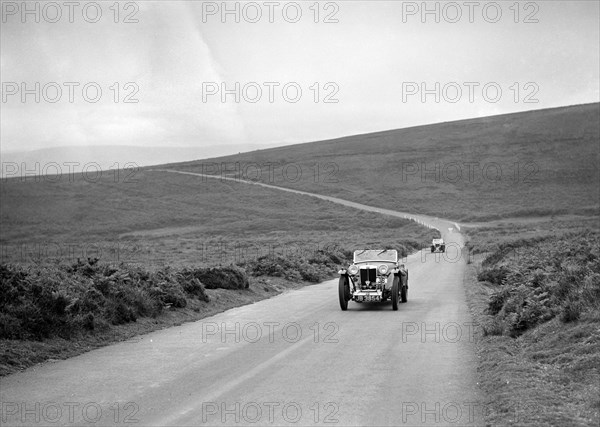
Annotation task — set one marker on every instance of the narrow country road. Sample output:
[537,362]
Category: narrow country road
[295,359]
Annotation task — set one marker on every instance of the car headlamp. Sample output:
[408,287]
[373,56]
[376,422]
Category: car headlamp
[353,269]
[383,269]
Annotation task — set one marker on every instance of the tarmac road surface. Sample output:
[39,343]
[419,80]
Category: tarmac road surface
[294,359]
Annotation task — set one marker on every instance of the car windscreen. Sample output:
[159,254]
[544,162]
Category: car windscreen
[389,255]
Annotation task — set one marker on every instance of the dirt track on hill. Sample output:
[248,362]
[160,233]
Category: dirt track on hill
[293,359]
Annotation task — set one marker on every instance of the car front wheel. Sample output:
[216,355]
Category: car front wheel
[344,292]
[395,292]
[404,294]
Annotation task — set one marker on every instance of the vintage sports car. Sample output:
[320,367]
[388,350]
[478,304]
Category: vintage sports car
[438,245]
[374,276]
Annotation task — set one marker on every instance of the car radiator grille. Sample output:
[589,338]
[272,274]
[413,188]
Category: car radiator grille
[369,274]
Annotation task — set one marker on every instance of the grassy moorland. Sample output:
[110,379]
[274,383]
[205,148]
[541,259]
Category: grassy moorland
[533,286]
[534,163]
[169,248]
[167,219]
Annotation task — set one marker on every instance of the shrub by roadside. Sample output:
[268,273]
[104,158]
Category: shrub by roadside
[56,309]
[537,365]
[230,277]
[18,354]
[317,266]
[313,268]
[38,302]
[538,280]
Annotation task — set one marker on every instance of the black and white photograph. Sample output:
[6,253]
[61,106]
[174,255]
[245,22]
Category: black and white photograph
[300,213]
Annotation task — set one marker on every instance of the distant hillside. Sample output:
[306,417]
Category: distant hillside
[533,163]
[166,218]
[155,218]
[107,157]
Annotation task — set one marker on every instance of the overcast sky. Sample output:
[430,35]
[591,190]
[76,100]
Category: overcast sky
[373,61]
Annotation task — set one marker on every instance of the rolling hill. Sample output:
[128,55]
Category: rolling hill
[533,163]
[17,163]
[528,164]
[159,218]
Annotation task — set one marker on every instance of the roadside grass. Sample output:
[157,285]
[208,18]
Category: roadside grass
[47,311]
[539,336]
[484,238]
[17,355]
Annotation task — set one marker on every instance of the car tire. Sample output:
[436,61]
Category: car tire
[344,292]
[395,293]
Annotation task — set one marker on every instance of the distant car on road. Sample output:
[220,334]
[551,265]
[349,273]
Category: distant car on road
[438,245]
[374,276]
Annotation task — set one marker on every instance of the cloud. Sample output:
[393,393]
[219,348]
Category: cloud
[369,54]
[164,58]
